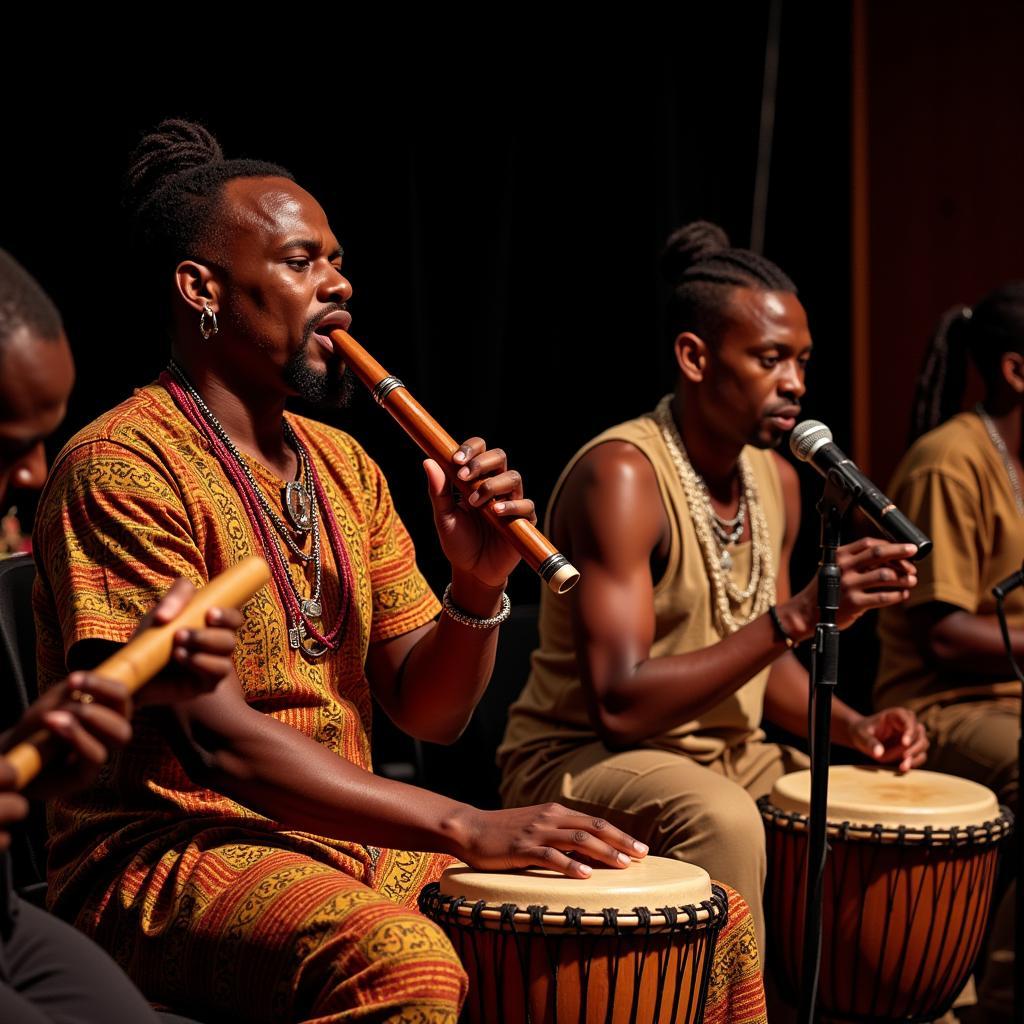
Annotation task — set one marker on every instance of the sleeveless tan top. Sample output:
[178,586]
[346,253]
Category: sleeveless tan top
[552,708]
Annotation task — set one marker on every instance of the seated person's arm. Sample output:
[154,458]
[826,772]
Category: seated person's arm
[962,641]
[611,512]
[289,777]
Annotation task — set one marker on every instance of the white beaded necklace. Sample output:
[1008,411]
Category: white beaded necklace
[717,560]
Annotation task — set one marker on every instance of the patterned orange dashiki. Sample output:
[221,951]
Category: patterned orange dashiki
[135,500]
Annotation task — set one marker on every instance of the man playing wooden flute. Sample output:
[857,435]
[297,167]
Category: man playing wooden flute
[48,971]
[244,860]
[647,693]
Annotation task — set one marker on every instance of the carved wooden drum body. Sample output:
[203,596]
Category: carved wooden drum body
[908,887]
[632,945]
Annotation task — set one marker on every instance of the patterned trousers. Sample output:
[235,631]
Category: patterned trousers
[257,933]
[252,932]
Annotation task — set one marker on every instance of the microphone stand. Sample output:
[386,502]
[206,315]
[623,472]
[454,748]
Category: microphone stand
[840,492]
[1018,924]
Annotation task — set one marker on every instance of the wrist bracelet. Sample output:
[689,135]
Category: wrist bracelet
[465,619]
[777,622]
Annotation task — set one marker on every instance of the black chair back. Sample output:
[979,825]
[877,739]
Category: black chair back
[17,691]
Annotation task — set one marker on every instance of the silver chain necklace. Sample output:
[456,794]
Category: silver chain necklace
[728,531]
[1000,445]
[311,606]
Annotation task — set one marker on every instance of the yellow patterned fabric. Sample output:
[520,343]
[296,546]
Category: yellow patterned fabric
[736,989]
[173,878]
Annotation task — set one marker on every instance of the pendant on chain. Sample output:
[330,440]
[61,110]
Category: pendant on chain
[300,640]
[298,506]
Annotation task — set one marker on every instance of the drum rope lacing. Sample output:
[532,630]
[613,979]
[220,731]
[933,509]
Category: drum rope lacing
[930,970]
[985,832]
[705,920]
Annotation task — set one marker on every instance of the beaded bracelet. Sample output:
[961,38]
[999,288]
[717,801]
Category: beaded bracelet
[465,619]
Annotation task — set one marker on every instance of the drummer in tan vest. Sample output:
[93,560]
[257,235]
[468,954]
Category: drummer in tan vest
[646,696]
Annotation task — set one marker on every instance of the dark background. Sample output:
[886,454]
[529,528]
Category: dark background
[502,204]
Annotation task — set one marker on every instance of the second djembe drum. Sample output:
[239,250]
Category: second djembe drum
[909,880]
[631,946]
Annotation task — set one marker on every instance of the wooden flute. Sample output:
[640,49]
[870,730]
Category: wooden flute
[537,551]
[145,655]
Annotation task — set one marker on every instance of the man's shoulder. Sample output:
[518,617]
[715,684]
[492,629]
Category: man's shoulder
[639,431]
[957,449]
[617,454]
[142,423]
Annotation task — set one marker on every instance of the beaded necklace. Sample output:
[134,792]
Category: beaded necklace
[303,614]
[725,594]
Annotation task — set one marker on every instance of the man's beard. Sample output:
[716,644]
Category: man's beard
[331,388]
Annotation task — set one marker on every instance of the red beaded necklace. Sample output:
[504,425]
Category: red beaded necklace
[302,633]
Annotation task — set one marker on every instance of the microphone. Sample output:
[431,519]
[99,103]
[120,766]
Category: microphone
[811,442]
[1012,582]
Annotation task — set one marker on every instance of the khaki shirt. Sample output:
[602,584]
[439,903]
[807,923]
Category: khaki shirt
[954,485]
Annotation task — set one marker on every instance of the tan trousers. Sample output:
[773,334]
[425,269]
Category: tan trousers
[701,813]
[977,739]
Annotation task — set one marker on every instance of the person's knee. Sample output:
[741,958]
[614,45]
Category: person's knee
[408,965]
[736,819]
[728,823]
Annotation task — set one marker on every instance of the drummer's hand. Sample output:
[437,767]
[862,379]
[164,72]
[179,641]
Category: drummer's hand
[547,835]
[89,716]
[469,542]
[893,736]
[875,574]
[201,658]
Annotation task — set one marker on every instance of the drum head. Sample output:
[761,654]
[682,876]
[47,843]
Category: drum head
[880,796]
[651,882]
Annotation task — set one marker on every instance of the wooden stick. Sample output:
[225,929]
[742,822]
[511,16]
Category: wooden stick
[145,655]
[536,550]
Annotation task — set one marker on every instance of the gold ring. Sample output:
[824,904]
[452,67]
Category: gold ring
[82,697]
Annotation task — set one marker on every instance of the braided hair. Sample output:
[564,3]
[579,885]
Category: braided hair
[994,326]
[703,269]
[23,304]
[173,193]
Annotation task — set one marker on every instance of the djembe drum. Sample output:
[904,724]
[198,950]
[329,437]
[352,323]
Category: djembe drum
[631,945]
[908,885]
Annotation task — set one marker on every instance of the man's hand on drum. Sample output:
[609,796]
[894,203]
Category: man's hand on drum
[545,835]
[201,657]
[893,736]
[469,542]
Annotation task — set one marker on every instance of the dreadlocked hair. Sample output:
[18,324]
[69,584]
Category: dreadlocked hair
[173,193]
[23,304]
[703,269]
[994,326]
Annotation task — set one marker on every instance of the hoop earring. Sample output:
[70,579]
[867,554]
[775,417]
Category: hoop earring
[207,328]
